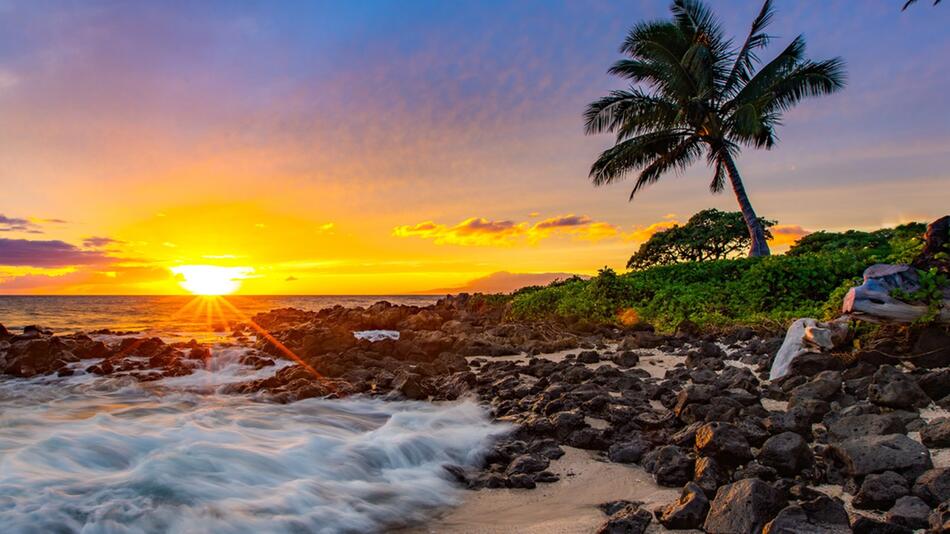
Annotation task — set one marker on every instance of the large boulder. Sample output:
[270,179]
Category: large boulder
[894,389]
[689,511]
[858,457]
[35,355]
[824,386]
[669,465]
[823,515]
[870,424]
[723,442]
[787,453]
[880,490]
[909,512]
[631,519]
[743,507]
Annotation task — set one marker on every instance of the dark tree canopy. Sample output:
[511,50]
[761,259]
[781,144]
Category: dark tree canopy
[708,235]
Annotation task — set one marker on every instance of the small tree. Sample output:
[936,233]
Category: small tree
[708,235]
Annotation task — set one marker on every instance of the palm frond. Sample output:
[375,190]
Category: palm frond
[676,159]
[746,58]
[631,112]
[760,83]
[808,79]
[912,2]
[635,153]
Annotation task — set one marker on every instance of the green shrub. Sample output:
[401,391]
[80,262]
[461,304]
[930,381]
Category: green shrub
[768,291]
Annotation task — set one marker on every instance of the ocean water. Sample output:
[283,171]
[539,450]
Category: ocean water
[201,318]
[95,454]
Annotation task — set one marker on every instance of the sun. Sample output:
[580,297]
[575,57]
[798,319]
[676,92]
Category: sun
[210,279]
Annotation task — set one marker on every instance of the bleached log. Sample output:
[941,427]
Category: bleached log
[872,300]
[808,335]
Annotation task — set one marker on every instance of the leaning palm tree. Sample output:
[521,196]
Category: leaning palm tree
[693,93]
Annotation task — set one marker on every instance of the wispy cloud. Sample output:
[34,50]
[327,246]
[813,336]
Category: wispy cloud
[99,242]
[53,253]
[479,231]
[16,224]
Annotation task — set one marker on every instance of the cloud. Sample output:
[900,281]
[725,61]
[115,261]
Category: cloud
[99,242]
[24,252]
[474,231]
[16,224]
[643,233]
[787,234]
[479,231]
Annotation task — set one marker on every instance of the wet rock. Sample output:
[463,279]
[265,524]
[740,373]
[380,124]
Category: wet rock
[910,512]
[669,465]
[880,490]
[823,515]
[894,389]
[858,457]
[689,511]
[566,422]
[933,486]
[612,507]
[709,475]
[787,453]
[628,452]
[588,438]
[35,355]
[631,519]
[936,433]
[743,507]
[410,385]
[521,481]
[724,442]
[527,463]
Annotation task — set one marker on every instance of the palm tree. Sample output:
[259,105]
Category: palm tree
[693,93]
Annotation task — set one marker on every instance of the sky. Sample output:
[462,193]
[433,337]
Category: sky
[398,147]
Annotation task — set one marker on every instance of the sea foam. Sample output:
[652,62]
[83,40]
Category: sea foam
[109,455]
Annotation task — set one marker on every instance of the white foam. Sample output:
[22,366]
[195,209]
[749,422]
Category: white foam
[106,454]
[376,335]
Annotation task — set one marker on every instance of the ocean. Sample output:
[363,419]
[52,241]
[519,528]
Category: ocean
[108,454]
[171,317]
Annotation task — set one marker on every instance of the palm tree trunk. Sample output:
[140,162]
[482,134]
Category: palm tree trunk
[760,246]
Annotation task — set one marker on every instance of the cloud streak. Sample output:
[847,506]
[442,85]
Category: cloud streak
[479,231]
[53,253]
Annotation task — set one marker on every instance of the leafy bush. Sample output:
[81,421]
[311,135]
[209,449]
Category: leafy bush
[767,291]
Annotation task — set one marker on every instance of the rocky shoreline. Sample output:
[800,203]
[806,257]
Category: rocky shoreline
[694,410]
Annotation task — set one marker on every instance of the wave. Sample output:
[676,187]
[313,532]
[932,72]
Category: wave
[108,455]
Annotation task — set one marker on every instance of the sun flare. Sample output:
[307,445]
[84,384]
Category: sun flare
[210,279]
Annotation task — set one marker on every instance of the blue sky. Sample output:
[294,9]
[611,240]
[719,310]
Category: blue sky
[378,115]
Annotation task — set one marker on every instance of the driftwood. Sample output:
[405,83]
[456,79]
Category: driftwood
[872,300]
[808,335]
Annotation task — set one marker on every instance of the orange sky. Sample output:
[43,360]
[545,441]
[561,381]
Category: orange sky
[379,149]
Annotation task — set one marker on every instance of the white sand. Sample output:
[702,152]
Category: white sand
[564,507]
